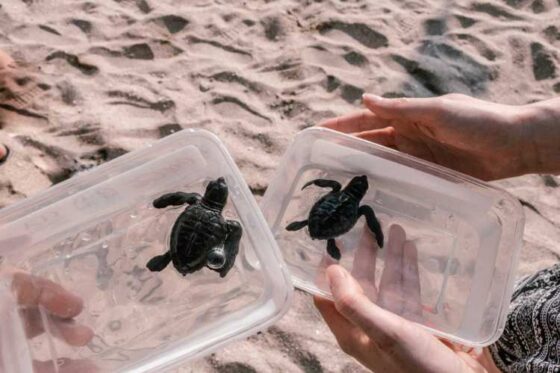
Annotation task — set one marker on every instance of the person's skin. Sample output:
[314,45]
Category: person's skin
[62,306]
[376,336]
[482,139]
[7,65]
[485,140]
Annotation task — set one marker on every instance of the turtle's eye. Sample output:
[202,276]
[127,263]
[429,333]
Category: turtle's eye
[216,258]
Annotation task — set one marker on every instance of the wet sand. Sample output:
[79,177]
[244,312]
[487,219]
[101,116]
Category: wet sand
[95,80]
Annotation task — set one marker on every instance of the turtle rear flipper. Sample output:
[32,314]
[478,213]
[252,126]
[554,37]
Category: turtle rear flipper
[332,249]
[231,246]
[372,223]
[158,263]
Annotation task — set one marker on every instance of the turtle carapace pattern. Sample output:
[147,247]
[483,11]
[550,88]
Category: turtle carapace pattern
[337,212]
[200,237]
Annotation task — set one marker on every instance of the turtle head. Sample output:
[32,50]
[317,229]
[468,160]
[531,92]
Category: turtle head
[357,187]
[216,194]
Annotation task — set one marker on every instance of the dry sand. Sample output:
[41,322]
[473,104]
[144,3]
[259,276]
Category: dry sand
[96,79]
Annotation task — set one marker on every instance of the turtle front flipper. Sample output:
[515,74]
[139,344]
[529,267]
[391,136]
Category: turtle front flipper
[372,223]
[323,183]
[176,199]
[332,249]
[296,225]
[158,263]
[231,245]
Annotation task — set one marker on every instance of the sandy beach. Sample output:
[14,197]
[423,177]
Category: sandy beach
[95,80]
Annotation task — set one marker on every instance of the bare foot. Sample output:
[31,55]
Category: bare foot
[6,62]
[3,153]
[17,87]
[7,65]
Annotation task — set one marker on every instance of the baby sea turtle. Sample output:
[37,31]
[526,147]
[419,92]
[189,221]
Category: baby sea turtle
[200,236]
[336,213]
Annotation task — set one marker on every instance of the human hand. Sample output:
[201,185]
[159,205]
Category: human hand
[483,139]
[34,293]
[378,338]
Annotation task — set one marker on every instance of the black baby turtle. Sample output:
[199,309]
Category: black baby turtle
[200,236]
[337,212]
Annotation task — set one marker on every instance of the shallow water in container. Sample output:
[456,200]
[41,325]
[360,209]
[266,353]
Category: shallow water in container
[445,242]
[134,312]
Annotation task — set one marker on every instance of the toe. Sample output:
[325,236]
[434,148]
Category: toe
[3,153]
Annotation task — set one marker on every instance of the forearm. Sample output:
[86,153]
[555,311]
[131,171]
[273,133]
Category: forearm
[541,123]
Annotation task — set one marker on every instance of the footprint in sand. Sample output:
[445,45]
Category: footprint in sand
[495,11]
[465,22]
[168,129]
[155,49]
[360,32]
[232,77]
[355,58]
[538,6]
[441,68]
[331,83]
[172,23]
[273,28]
[543,64]
[435,27]
[219,51]
[82,24]
[481,47]
[101,155]
[552,33]
[351,93]
[141,51]
[86,133]
[73,61]
[144,6]
[232,107]
[550,181]
[348,92]
[58,165]
[131,99]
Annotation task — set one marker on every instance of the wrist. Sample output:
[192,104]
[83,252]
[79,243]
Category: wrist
[539,130]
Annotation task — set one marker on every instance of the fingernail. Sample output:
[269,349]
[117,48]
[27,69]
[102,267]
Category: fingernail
[371,97]
[336,274]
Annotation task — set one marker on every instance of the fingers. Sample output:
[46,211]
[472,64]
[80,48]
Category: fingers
[378,324]
[350,338]
[363,268]
[391,283]
[361,121]
[411,282]
[424,109]
[73,333]
[470,363]
[385,136]
[34,291]
[65,366]
[68,330]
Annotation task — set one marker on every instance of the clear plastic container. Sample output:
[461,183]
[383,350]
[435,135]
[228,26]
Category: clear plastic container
[451,242]
[94,234]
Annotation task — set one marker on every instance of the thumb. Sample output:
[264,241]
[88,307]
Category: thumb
[402,108]
[380,325]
